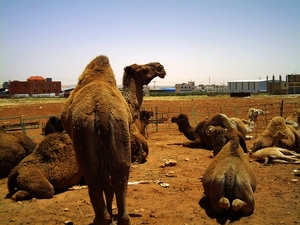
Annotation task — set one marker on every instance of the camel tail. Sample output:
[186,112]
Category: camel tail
[230,180]
[12,181]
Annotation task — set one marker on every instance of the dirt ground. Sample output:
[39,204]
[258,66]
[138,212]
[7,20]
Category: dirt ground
[169,195]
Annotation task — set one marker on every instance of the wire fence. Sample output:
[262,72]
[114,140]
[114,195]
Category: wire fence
[161,120]
[162,115]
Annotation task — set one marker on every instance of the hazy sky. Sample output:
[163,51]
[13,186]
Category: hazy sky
[201,41]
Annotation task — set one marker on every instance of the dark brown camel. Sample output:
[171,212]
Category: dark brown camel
[51,167]
[98,119]
[13,148]
[188,131]
[134,79]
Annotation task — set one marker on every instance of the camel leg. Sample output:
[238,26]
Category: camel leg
[90,164]
[217,200]
[224,203]
[285,161]
[243,195]
[109,194]
[288,152]
[266,161]
[32,184]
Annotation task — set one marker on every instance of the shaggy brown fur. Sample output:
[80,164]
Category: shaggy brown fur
[139,145]
[134,78]
[231,134]
[276,154]
[294,119]
[266,139]
[52,166]
[97,118]
[229,181]
[199,137]
[142,122]
[13,148]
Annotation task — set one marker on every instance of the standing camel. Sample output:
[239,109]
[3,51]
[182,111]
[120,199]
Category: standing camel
[98,119]
[134,78]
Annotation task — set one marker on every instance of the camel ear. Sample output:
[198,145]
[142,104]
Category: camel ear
[128,69]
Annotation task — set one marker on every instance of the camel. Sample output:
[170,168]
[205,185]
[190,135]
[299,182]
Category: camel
[184,126]
[139,145]
[231,134]
[143,120]
[275,153]
[246,126]
[294,119]
[198,134]
[13,148]
[134,78]
[188,131]
[53,125]
[98,119]
[266,139]
[50,168]
[228,180]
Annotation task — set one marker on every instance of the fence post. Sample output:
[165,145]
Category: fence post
[281,108]
[156,118]
[23,125]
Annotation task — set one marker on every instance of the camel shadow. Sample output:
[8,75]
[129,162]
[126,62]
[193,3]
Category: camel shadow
[220,218]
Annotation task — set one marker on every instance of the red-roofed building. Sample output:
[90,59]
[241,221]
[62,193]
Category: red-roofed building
[35,85]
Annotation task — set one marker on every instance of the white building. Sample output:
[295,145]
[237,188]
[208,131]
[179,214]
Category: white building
[246,87]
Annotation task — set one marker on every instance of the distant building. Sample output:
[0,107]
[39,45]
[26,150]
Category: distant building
[246,87]
[182,88]
[277,87]
[35,85]
[293,83]
[190,87]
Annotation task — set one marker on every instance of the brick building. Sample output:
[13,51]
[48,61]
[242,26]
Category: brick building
[35,85]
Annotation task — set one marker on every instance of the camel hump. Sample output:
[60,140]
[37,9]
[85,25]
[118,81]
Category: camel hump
[99,62]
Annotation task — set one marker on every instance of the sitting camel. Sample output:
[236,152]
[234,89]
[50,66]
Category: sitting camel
[13,148]
[275,153]
[139,145]
[134,78]
[231,134]
[246,126]
[198,134]
[294,119]
[266,139]
[229,181]
[188,131]
[51,167]
[143,120]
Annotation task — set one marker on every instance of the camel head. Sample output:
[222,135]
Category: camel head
[180,119]
[54,124]
[143,74]
[211,131]
[145,116]
[254,113]
[280,135]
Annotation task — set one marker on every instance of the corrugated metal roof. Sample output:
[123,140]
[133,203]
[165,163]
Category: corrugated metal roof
[248,80]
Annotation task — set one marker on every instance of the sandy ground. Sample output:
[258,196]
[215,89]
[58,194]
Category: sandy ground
[169,195]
